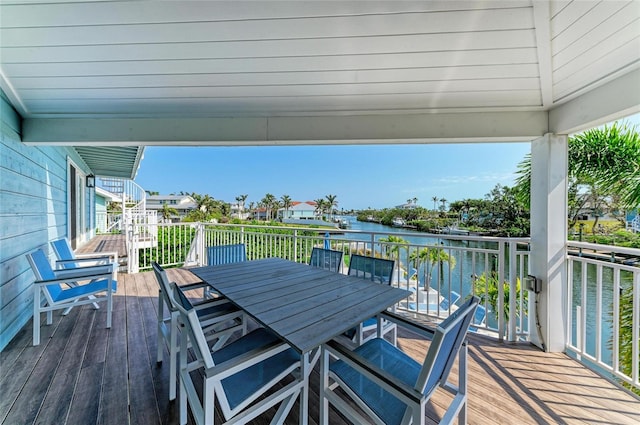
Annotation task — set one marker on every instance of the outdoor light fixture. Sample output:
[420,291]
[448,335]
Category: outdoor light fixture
[91,180]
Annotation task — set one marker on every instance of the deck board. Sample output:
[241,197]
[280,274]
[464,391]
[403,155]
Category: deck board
[85,373]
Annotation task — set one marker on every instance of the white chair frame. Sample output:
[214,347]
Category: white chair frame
[101,279]
[414,397]
[215,316]
[214,375]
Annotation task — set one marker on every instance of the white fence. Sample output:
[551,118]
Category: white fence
[604,309]
[603,306]
[448,264]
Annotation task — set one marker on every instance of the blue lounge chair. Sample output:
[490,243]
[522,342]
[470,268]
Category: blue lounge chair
[238,375]
[379,270]
[218,318]
[391,387]
[69,290]
[327,259]
[444,305]
[478,318]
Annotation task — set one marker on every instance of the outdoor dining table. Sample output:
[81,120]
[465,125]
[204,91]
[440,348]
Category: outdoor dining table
[303,305]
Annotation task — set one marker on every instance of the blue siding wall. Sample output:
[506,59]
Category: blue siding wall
[33,211]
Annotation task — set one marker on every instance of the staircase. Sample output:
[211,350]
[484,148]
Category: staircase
[634,225]
[137,225]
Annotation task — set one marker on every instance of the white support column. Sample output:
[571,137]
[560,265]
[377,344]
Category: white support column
[548,241]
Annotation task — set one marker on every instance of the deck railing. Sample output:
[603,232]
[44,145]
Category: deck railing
[604,309]
[604,293]
[449,264]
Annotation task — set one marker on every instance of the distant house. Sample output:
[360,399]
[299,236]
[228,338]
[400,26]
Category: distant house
[238,211]
[299,211]
[407,206]
[183,204]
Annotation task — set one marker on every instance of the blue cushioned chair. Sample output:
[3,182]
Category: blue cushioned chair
[226,254]
[389,386]
[218,318]
[443,306]
[479,318]
[379,270]
[327,259]
[243,376]
[61,291]
[68,259]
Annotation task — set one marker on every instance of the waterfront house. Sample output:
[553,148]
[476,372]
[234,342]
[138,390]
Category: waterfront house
[306,210]
[85,86]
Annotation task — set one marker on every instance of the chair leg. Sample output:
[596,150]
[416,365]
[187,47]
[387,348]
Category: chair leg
[183,370]
[324,386]
[159,344]
[36,316]
[173,356]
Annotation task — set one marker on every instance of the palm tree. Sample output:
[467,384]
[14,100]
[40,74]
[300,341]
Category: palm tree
[268,202]
[431,257]
[331,203]
[251,206]
[241,199]
[320,206]
[286,204]
[167,212]
[391,249]
[607,157]
[435,201]
[443,207]
[415,200]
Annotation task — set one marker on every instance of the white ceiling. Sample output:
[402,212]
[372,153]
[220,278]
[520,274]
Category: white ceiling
[268,60]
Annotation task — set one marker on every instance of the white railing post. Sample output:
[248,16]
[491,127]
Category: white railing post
[295,245]
[513,290]
[500,312]
[133,260]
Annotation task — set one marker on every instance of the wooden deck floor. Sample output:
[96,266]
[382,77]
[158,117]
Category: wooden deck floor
[83,373]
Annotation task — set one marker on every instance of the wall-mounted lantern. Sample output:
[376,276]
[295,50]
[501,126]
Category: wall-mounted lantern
[91,180]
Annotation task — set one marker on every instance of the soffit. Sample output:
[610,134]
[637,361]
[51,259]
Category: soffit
[268,60]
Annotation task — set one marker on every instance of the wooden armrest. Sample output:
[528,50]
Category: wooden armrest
[373,372]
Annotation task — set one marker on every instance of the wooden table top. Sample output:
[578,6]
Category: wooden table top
[304,305]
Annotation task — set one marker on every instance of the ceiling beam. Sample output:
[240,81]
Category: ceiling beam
[616,99]
[542,19]
[316,130]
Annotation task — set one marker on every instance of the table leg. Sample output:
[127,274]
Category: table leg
[304,394]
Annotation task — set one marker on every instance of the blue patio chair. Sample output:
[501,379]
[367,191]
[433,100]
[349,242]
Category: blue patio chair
[446,303]
[244,376]
[69,290]
[327,259]
[226,254]
[391,387]
[69,263]
[218,318]
[379,270]
[68,259]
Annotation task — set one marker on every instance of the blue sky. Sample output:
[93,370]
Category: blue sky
[376,176]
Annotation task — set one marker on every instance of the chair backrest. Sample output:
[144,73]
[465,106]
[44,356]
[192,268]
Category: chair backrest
[447,302]
[43,271]
[164,285]
[63,251]
[327,259]
[378,270]
[445,346]
[189,318]
[226,254]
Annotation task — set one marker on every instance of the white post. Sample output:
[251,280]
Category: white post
[548,240]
